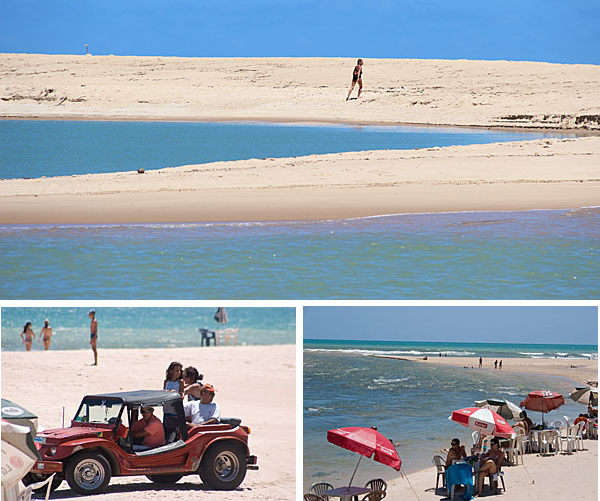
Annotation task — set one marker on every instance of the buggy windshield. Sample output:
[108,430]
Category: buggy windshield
[99,410]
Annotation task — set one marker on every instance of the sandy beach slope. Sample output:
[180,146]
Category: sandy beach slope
[255,383]
[558,477]
[458,92]
[579,371]
[539,174]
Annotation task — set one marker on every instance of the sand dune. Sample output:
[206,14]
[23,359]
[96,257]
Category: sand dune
[459,92]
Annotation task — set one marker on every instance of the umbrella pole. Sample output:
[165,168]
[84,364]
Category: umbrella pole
[352,477]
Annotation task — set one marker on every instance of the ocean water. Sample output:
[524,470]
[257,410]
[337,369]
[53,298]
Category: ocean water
[494,255]
[151,327]
[409,402]
[62,148]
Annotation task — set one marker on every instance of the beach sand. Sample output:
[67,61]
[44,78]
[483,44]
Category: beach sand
[557,477]
[254,383]
[539,174]
[415,91]
[580,371]
[545,174]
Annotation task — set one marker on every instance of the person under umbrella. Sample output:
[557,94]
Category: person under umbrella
[543,401]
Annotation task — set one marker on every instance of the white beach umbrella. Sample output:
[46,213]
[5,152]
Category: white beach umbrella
[585,395]
[16,460]
[505,408]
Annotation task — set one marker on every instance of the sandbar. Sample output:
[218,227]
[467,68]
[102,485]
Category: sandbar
[539,174]
[578,370]
[409,91]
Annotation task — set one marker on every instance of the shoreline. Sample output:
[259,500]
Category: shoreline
[298,121]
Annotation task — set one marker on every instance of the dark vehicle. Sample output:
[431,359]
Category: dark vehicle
[98,446]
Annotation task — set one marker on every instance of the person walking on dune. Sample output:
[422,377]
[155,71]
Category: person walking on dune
[356,77]
[46,334]
[94,335]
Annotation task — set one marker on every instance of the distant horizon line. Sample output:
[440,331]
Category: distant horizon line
[453,342]
[364,56]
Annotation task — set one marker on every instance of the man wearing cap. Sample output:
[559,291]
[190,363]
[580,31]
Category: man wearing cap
[148,432]
[93,334]
[203,411]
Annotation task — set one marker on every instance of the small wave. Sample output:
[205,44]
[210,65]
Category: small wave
[385,380]
[531,353]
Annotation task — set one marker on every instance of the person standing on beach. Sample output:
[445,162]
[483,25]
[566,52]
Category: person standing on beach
[27,336]
[480,362]
[496,364]
[46,334]
[356,77]
[94,334]
[500,365]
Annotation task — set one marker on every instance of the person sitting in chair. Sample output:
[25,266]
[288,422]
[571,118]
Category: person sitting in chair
[489,463]
[456,452]
[203,411]
[148,432]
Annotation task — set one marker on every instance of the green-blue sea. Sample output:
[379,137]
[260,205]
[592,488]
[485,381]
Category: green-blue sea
[146,327]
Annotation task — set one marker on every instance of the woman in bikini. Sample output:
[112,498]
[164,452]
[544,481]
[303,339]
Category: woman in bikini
[27,336]
[489,463]
[46,334]
[356,77]
[192,384]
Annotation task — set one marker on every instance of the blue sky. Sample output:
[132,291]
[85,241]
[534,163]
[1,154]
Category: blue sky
[494,324]
[531,30]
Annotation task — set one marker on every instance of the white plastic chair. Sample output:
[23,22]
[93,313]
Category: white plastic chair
[568,436]
[486,445]
[578,446]
[549,439]
[557,424]
[513,451]
[440,466]
[25,495]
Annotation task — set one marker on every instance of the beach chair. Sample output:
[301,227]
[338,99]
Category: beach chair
[25,495]
[319,488]
[513,451]
[376,484]
[486,445]
[522,442]
[227,335]
[549,442]
[207,336]
[313,497]
[374,496]
[494,480]
[578,446]
[440,466]
[567,436]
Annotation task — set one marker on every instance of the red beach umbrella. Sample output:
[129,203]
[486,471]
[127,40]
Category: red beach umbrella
[543,401]
[367,442]
[483,420]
